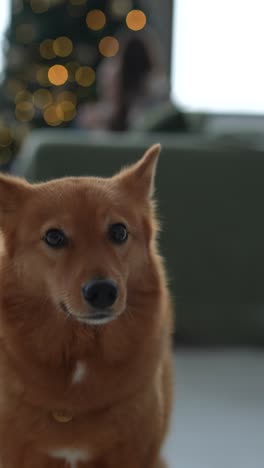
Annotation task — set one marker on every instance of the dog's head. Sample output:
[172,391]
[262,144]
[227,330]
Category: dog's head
[82,247]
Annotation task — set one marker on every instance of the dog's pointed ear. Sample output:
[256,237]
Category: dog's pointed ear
[139,177]
[13,191]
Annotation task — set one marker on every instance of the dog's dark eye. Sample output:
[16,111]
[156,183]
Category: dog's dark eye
[118,233]
[55,238]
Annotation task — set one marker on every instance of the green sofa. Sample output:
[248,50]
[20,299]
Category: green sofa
[211,197]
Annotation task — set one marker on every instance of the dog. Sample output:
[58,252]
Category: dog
[85,322]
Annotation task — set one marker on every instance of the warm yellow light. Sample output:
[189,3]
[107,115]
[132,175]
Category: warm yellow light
[85,76]
[40,6]
[96,20]
[5,136]
[67,96]
[42,76]
[24,111]
[66,110]
[23,96]
[58,75]
[46,49]
[25,33]
[63,46]
[136,20]
[109,46]
[52,117]
[42,98]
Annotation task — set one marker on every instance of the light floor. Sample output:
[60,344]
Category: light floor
[218,420]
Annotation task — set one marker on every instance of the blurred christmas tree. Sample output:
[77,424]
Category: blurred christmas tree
[53,48]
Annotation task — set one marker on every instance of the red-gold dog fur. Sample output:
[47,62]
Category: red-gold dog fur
[72,394]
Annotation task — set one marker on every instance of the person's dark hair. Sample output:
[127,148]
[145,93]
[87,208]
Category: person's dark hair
[136,62]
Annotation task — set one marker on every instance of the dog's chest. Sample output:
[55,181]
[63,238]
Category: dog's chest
[71,456]
[79,372]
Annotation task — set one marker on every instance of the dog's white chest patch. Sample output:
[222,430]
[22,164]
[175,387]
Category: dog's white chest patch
[79,372]
[71,456]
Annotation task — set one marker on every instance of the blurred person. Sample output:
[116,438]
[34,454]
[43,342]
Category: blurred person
[128,85]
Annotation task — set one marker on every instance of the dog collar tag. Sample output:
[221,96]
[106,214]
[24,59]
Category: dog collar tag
[62,416]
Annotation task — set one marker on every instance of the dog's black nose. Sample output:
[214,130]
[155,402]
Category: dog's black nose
[100,294]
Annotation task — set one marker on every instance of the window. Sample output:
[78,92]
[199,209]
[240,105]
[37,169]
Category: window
[4,19]
[217,56]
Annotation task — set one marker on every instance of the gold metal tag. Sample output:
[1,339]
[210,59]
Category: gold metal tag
[62,416]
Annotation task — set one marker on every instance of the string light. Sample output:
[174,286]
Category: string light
[109,46]
[23,96]
[63,46]
[85,76]
[24,111]
[46,49]
[42,98]
[40,6]
[96,20]
[52,117]
[55,106]
[136,20]
[58,75]
[66,110]
[67,96]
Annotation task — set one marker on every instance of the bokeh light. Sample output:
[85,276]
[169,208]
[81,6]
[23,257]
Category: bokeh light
[24,111]
[5,136]
[96,20]
[67,96]
[40,6]
[46,49]
[136,20]
[119,8]
[42,98]
[66,110]
[85,76]
[52,116]
[109,46]
[23,96]
[63,46]
[58,75]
